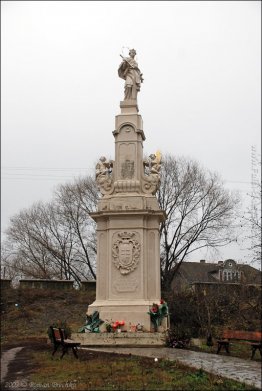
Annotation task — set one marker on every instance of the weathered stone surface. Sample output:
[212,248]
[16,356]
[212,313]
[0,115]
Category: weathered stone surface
[137,339]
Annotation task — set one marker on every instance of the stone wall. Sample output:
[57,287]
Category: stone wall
[88,286]
[47,284]
[5,284]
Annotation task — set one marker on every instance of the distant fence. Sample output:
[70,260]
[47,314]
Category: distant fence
[87,286]
[47,284]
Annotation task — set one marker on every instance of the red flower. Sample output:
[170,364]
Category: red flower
[154,308]
[162,301]
[118,323]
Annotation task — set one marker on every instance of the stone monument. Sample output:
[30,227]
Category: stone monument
[128,217]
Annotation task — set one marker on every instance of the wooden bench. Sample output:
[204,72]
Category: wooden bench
[59,338]
[253,338]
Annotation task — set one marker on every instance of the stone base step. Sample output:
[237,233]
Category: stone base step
[136,339]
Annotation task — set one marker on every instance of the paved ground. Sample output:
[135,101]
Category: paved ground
[246,371]
[15,362]
[6,359]
[14,369]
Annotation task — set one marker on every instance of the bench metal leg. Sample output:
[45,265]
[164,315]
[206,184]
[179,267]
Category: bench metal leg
[226,346]
[254,348]
[75,352]
[65,350]
[55,349]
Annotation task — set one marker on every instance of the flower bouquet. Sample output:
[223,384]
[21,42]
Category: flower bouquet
[157,313]
[117,325]
[92,323]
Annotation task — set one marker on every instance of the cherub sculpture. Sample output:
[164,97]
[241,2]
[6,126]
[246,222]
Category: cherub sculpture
[103,174]
[152,172]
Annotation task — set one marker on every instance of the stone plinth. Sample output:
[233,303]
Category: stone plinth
[123,294]
[120,339]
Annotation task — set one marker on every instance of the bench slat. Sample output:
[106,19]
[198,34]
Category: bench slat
[245,335]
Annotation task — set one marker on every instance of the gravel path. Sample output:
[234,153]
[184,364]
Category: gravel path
[6,359]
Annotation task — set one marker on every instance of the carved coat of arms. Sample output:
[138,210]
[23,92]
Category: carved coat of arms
[126,252]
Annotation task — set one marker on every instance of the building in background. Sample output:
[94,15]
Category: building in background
[224,275]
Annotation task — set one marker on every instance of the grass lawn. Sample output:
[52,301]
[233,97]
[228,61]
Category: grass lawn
[109,371]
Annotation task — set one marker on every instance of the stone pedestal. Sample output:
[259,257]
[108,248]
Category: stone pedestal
[128,218]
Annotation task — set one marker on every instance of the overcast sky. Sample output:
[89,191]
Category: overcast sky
[201,95]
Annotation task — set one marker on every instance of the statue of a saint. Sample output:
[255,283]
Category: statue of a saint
[129,71]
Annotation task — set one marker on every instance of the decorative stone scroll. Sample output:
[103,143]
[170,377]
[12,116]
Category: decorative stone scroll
[151,177]
[126,251]
[104,178]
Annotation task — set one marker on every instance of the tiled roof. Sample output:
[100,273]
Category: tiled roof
[252,275]
[198,271]
[204,272]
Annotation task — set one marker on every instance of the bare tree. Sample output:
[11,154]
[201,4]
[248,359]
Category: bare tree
[251,223]
[200,213]
[56,239]
[75,202]
[23,254]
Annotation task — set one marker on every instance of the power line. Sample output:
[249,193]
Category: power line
[11,174]
[66,169]
[46,168]
[37,175]
[38,178]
